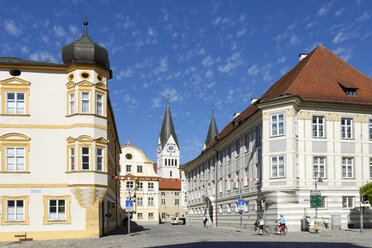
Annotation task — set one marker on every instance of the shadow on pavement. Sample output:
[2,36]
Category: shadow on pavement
[123,229]
[265,244]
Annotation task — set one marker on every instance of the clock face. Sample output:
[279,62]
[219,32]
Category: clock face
[171,148]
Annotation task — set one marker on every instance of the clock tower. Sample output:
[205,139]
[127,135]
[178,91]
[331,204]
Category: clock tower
[168,152]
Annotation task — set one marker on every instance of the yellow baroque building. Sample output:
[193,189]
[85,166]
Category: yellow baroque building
[59,147]
[140,183]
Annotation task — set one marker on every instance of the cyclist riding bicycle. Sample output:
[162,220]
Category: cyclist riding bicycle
[281,224]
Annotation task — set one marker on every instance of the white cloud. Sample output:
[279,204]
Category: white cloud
[151,31]
[11,28]
[339,12]
[43,56]
[364,17]
[208,61]
[59,31]
[73,29]
[174,96]
[233,45]
[344,53]
[156,102]
[163,65]
[282,59]
[241,32]
[253,70]
[293,40]
[231,63]
[124,73]
[340,37]
[210,85]
[209,74]
[309,25]
[217,21]
[324,9]
[25,50]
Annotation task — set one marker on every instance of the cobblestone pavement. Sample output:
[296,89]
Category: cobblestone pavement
[166,235]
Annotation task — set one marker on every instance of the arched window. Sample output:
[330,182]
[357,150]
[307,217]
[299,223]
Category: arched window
[170,173]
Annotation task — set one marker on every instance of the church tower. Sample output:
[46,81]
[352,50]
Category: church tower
[212,131]
[168,152]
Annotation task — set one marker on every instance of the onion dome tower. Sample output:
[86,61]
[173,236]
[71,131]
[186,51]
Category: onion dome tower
[85,51]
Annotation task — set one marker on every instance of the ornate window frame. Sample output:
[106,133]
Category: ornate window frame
[4,200]
[46,199]
[17,140]
[15,85]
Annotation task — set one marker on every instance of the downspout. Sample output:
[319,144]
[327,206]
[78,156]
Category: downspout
[216,168]
[116,188]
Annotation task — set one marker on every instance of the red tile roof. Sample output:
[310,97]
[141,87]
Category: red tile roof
[316,78]
[170,183]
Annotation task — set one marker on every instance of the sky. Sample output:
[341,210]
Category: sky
[201,53]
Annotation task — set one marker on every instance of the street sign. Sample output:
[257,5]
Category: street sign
[129,205]
[315,199]
[241,212]
[241,204]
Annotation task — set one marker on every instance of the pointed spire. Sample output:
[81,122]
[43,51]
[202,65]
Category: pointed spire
[167,129]
[212,131]
[85,24]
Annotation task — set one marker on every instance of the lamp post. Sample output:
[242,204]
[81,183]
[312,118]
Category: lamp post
[317,180]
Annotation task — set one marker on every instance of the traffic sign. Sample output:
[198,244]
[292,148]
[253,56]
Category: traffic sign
[241,212]
[315,199]
[241,203]
[129,205]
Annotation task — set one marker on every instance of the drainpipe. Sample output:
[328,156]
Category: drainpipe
[216,168]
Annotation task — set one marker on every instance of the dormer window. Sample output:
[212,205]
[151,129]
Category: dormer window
[351,92]
[349,88]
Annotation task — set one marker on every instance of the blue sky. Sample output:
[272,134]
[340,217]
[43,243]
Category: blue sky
[201,53]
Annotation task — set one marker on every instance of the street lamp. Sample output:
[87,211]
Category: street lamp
[317,180]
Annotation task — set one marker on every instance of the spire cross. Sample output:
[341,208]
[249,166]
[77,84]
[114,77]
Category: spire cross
[168,99]
[85,24]
[212,109]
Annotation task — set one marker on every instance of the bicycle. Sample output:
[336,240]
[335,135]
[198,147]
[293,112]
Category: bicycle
[283,230]
[265,230]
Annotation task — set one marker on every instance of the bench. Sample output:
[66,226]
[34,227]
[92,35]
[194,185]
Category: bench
[23,237]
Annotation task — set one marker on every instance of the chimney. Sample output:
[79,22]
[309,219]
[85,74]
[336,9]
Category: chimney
[301,56]
[253,100]
[236,114]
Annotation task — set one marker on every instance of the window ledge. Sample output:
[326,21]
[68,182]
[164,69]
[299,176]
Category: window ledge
[15,172]
[81,114]
[15,223]
[51,222]
[16,115]
[98,172]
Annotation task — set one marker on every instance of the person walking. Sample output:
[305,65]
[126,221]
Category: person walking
[205,219]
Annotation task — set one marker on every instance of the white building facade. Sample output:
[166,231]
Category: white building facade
[58,156]
[314,122]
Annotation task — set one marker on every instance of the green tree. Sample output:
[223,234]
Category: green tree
[367,190]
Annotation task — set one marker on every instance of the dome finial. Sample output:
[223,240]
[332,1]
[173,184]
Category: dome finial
[168,99]
[212,109]
[85,24]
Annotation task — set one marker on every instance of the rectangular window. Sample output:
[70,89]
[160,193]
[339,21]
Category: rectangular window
[277,125]
[139,185]
[140,201]
[85,102]
[150,186]
[319,167]
[163,215]
[177,202]
[246,142]
[72,159]
[15,159]
[99,102]
[237,148]
[129,185]
[318,126]
[347,167]
[347,128]
[258,136]
[347,201]
[139,168]
[162,193]
[71,101]
[162,201]
[139,216]
[177,193]
[85,158]
[370,128]
[57,210]
[99,159]
[129,168]
[177,215]
[15,210]
[370,167]
[151,201]
[15,103]
[151,216]
[229,149]
[277,166]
